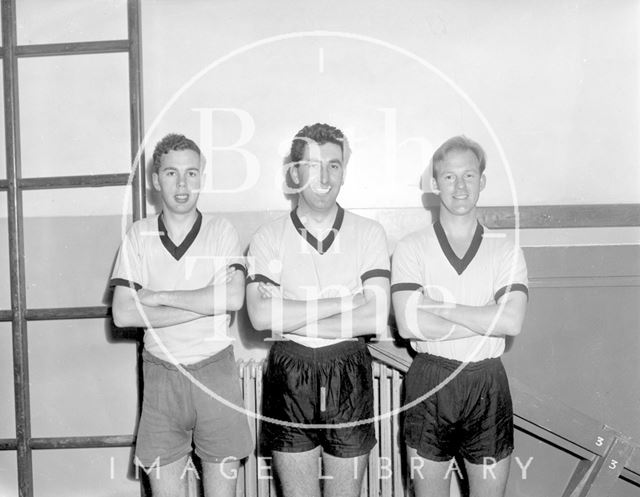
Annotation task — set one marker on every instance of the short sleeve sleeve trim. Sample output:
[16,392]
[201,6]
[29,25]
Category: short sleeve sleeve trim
[376,273]
[404,287]
[123,282]
[514,287]
[261,278]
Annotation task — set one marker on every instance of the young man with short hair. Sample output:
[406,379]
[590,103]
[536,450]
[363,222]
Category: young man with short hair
[319,278]
[179,274]
[457,291]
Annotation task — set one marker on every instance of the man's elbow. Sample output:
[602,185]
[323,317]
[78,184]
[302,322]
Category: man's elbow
[405,333]
[121,318]
[403,329]
[512,326]
[235,302]
[381,325]
[515,329]
[259,320]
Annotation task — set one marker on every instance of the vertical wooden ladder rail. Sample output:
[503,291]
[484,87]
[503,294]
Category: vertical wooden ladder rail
[15,184]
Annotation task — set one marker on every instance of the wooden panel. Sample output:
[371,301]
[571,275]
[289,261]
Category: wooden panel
[530,216]
[563,216]
[609,261]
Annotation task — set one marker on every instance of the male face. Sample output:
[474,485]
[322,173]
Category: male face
[178,180]
[458,181]
[319,176]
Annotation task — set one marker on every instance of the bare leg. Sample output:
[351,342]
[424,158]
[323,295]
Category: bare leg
[430,478]
[298,472]
[219,479]
[343,475]
[488,479]
[169,480]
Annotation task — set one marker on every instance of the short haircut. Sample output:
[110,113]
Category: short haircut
[458,144]
[171,142]
[320,134]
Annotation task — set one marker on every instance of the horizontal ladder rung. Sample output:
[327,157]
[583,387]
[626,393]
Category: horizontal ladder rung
[8,444]
[61,313]
[72,442]
[82,442]
[80,181]
[73,48]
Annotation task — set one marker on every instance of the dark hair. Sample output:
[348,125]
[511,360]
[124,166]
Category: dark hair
[172,141]
[459,144]
[320,134]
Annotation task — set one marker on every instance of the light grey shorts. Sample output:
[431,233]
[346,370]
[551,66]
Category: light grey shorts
[177,412]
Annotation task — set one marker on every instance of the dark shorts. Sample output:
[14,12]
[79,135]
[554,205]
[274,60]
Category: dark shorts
[327,385]
[470,416]
[175,412]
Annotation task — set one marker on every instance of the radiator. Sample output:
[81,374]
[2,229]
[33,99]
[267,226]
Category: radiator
[384,475]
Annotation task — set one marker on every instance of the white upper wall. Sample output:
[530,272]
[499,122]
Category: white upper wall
[559,91]
[545,87]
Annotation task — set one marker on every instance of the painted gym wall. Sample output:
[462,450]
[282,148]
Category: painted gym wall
[545,87]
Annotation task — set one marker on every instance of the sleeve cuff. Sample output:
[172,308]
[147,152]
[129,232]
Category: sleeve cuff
[376,273]
[261,278]
[404,287]
[122,282]
[514,287]
[239,267]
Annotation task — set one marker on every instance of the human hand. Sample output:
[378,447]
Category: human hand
[229,273]
[357,300]
[267,290]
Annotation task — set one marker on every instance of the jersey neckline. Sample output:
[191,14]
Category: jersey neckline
[177,251]
[457,263]
[320,246]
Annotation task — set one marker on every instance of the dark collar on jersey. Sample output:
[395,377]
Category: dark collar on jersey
[178,251]
[458,264]
[325,244]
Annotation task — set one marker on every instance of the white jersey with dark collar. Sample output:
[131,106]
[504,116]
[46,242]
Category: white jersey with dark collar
[492,266]
[285,254]
[149,259]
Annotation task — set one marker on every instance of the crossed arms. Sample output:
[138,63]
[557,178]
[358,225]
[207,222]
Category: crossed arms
[419,317]
[146,308]
[335,317]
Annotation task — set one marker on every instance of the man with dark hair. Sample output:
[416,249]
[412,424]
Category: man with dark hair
[319,278]
[457,291]
[179,274]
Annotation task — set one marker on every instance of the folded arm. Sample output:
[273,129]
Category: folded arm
[417,321]
[269,311]
[367,317]
[504,318]
[219,298]
[128,311]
